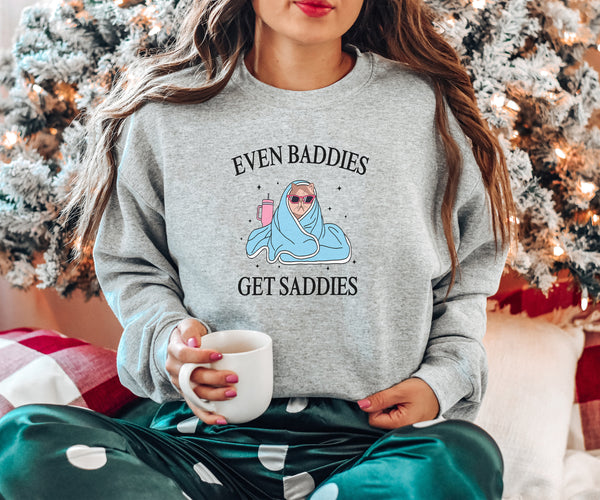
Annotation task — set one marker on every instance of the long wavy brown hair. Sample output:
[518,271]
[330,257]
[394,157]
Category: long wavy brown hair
[216,33]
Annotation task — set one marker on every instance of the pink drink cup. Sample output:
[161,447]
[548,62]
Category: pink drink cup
[264,212]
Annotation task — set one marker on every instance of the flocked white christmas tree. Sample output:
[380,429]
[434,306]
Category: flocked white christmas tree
[526,63]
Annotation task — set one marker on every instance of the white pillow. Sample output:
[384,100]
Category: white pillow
[530,393]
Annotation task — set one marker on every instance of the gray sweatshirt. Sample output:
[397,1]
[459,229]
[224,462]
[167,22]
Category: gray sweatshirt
[313,216]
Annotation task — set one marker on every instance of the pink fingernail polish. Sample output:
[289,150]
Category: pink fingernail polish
[192,342]
[364,403]
[221,421]
[215,356]
[231,379]
[230,393]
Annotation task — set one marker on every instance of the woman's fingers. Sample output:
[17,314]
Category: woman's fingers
[191,331]
[215,378]
[203,376]
[183,353]
[215,393]
[206,416]
[185,346]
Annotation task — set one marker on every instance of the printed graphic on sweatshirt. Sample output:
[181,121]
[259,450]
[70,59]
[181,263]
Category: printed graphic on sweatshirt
[295,233]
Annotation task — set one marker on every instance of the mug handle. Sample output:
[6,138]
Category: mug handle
[259,212]
[186,386]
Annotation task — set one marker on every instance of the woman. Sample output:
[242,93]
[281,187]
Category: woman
[367,101]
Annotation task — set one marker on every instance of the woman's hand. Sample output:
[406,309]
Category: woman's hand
[213,385]
[405,403]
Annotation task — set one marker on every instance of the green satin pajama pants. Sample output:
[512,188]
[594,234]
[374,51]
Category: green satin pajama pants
[317,448]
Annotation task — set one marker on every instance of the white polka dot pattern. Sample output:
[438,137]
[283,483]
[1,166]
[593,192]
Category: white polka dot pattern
[205,474]
[272,456]
[86,457]
[296,405]
[298,486]
[428,423]
[328,491]
[188,426]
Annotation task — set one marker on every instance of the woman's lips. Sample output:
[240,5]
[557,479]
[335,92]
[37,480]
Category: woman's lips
[315,8]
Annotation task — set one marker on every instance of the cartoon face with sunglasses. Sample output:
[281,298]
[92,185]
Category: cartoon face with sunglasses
[300,199]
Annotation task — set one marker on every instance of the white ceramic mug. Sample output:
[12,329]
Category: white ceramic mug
[250,355]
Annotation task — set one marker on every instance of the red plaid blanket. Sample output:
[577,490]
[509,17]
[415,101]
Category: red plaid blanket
[43,366]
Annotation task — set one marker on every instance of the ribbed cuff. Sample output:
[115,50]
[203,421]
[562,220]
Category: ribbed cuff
[448,382]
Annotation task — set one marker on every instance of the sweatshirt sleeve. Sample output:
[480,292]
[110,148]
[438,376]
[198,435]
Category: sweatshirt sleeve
[135,271]
[455,361]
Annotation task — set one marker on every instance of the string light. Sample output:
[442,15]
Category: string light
[569,37]
[53,131]
[37,88]
[558,251]
[588,188]
[513,105]
[498,101]
[156,29]
[595,219]
[560,153]
[10,139]
[478,4]
[585,299]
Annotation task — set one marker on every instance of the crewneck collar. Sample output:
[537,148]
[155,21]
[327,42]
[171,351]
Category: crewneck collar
[351,83]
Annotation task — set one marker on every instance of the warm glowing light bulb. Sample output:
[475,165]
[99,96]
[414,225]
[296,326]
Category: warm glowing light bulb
[513,105]
[560,153]
[587,187]
[569,37]
[595,219]
[478,4]
[585,299]
[37,88]
[10,139]
[558,251]
[154,30]
[498,101]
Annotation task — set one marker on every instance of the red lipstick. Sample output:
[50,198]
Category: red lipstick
[315,8]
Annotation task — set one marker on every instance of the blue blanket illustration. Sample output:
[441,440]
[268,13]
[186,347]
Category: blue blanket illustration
[306,239]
